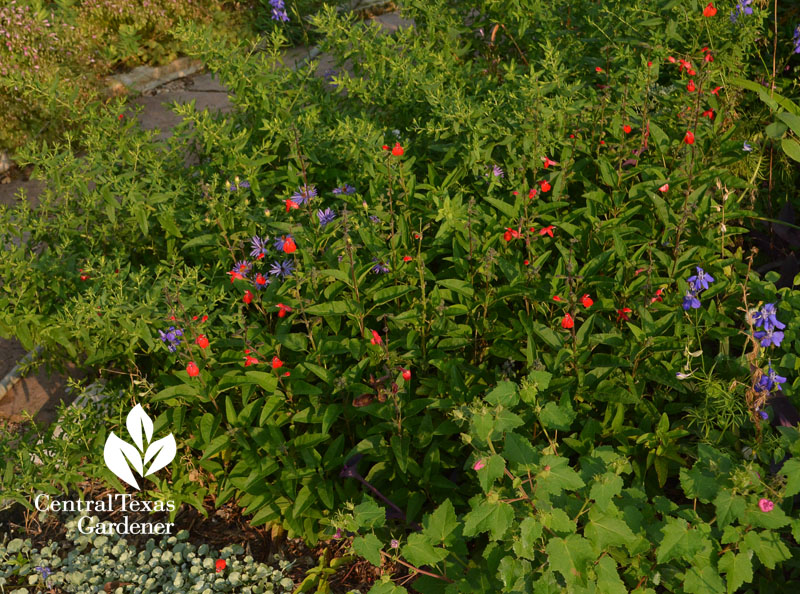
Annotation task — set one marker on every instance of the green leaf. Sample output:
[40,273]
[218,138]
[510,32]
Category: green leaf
[419,551]
[369,515]
[504,394]
[608,580]
[738,568]
[702,581]
[519,450]
[389,293]
[305,499]
[559,477]
[678,541]
[791,120]
[168,223]
[768,545]
[557,416]
[489,517]
[368,547]
[530,530]
[493,470]
[792,471]
[504,207]
[202,240]
[604,530]
[791,148]
[441,523]
[386,587]
[570,557]
[729,507]
[604,488]
[331,308]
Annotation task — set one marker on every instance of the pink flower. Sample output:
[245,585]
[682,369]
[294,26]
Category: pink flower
[478,465]
[766,505]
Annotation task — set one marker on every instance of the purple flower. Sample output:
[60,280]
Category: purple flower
[244,184]
[701,279]
[171,337]
[242,267]
[345,189]
[338,533]
[379,268]
[259,246]
[796,40]
[497,172]
[769,337]
[768,319]
[283,269]
[279,241]
[394,543]
[304,194]
[746,147]
[691,301]
[325,216]
[374,218]
[278,11]
[770,380]
[743,7]
[44,571]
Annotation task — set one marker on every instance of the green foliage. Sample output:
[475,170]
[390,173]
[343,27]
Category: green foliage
[617,443]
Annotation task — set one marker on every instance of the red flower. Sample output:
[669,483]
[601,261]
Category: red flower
[202,321]
[602,142]
[192,369]
[84,277]
[260,280]
[567,322]
[663,188]
[202,341]
[657,297]
[291,204]
[172,318]
[548,162]
[649,63]
[376,338]
[287,374]
[627,129]
[221,565]
[671,59]
[557,298]
[716,91]
[510,234]
[248,360]
[709,10]
[407,258]
[515,193]
[547,230]
[406,374]
[283,309]
[545,185]
[289,246]
[709,58]
[276,363]
[586,301]
[622,314]
[705,49]
[689,138]
[598,69]
[120,116]
[397,150]
[709,113]
[525,262]
[531,193]
[234,276]
[385,147]
[248,297]
[690,71]
[690,87]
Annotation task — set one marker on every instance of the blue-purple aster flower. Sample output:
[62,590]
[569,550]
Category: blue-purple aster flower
[244,184]
[278,11]
[346,189]
[282,269]
[700,280]
[279,241]
[374,218]
[796,40]
[325,216]
[243,267]
[304,194]
[379,268]
[259,246]
[769,337]
[763,414]
[497,172]
[770,380]
[742,7]
[691,301]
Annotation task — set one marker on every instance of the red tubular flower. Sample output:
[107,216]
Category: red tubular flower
[260,280]
[510,234]
[287,374]
[586,301]
[671,59]
[657,297]
[547,230]
[397,150]
[248,360]
[689,138]
[385,147]
[691,72]
[290,204]
[649,63]
[248,297]
[548,162]
[192,369]
[202,341]
[289,246]
[531,193]
[406,374]
[526,262]
[276,363]
[202,321]
[84,277]
[557,298]
[545,185]
[376,338]
[407,258]
[690,87]
[709,10]
[716,91]
[709,58]
[567,322]
[598,69]
[234,276]
[622,314]
[709,113]
[627,129]
[664,188]
[283,309]
[221,565]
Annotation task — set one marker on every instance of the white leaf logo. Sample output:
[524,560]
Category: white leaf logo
[120,456]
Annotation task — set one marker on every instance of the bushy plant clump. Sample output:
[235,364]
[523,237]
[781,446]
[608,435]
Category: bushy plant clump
[516,247]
